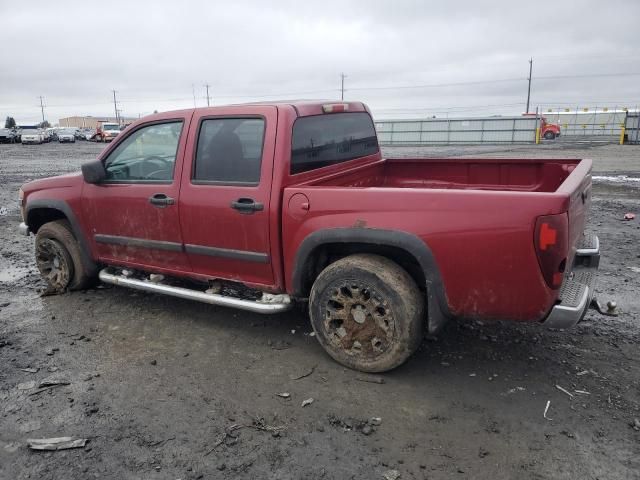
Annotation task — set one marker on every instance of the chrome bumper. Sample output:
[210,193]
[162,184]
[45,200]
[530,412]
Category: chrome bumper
[578,288]
[23,228]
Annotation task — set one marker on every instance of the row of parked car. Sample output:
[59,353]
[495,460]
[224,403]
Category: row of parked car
[45,135]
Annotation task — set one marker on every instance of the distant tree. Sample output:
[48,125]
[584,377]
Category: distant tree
[44,124]
[10,122]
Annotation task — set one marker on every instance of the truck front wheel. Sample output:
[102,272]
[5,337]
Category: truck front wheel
[549,135]
[58,258]
[367,312]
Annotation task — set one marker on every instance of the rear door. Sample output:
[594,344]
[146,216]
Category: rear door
[225,195]
[133,214]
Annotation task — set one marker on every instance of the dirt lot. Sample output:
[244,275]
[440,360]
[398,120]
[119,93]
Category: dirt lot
[157,384]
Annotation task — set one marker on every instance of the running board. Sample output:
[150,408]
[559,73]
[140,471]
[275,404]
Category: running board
[267,306]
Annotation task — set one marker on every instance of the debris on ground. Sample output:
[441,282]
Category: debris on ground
[376,421]
[629,216]
[564,391]
[391,475]
[306,402]
[514,390]
[546,409]
[59,443]
[49,385]
[284,395]
[228,437]
[371,379]
[30,370]
[26,385]
[305,374]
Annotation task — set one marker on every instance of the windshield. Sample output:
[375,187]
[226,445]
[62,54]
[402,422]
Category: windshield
[110,126]
[67,131]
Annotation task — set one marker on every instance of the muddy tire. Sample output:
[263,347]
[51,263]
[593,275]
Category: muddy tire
[58,258]
[367,313]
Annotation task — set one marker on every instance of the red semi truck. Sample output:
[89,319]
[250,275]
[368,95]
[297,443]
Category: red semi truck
[548,131]
[294,202]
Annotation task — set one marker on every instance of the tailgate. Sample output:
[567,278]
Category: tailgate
[578,188]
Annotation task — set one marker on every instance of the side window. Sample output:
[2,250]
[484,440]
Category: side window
[229,151]
[147,155]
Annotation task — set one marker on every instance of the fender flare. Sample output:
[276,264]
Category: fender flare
[438,307]
[63,207]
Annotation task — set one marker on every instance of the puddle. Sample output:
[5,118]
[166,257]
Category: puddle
[10,273]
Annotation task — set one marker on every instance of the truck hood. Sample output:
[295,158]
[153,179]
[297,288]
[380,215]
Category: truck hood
[61,181]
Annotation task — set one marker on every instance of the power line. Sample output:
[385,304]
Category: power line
[115,106]
[42,108]
[529,88]
[207,87]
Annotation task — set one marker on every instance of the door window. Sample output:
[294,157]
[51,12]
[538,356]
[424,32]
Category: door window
[229,151]
[147,155]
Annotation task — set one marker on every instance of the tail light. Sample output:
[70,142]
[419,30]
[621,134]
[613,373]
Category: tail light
[552,245]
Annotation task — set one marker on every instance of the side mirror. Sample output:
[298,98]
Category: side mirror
[93,172]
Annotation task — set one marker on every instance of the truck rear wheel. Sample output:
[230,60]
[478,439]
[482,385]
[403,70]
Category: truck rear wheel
[58,258]
[367,312]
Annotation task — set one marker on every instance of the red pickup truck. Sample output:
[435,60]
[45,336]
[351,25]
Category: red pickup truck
[258,206]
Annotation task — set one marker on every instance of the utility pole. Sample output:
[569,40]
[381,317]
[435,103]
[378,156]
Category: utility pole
[42,108]
[207,87]
[193,91]
[342,77]
[115,106]
[529,89]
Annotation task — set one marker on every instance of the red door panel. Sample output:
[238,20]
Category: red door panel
[225,218]
[135,221]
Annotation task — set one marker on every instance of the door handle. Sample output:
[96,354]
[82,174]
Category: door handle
[161,200]
[247,206]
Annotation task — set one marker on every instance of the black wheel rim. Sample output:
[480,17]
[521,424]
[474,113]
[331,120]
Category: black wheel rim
[358,320]
[53,263]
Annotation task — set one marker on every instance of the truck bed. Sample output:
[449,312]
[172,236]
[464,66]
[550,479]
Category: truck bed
[532,175]
[476,215]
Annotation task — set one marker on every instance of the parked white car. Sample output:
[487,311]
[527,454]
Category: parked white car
[67,135]
[32,136]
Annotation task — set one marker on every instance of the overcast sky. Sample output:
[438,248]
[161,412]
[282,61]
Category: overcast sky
[404,58]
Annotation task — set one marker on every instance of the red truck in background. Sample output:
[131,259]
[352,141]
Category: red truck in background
[106,131]
[548,131]
[295,203]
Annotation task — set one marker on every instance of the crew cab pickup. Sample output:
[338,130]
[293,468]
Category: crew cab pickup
[258,206]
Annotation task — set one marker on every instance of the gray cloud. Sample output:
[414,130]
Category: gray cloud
[74,54]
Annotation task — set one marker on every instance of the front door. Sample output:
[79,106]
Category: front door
[225,197]
[133,213]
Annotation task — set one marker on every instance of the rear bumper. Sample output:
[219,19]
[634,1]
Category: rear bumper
[578,288]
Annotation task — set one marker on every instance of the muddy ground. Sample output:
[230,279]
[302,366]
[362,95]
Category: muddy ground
[172,389]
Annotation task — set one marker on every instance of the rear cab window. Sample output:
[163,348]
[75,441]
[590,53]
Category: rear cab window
[322,140]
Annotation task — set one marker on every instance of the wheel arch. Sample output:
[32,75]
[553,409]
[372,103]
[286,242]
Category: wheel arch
[321,248]
[39,212]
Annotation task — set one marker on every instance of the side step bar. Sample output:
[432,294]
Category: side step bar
[211,298]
